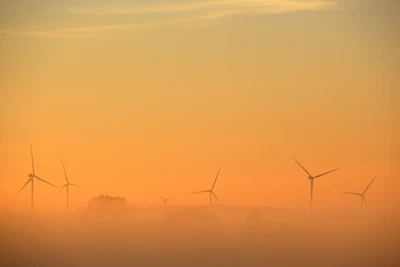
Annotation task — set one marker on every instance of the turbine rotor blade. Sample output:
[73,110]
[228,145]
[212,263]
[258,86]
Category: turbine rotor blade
[44,181]
[325,173]
[59,190]
[302,167]
[33,164]
[204,191]
[161,197]
[365,201]
[65,173]
[216,197]
[75,185]
[169,197]
[216,177]
[27,182]
[351,193]
[369,185]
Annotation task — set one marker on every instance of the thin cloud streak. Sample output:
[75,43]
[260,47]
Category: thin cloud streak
[39,33]
[217,5]
[254,7]
[148,9]
[130,25]
[188,12]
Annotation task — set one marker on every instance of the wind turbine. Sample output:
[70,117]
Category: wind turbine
[67,184]
[32,176]
[211,191]
[164,199]
[312,179]
[361,195]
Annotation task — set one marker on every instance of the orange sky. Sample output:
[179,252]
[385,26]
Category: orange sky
[153,98]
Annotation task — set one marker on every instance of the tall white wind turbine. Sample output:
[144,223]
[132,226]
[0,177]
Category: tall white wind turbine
[211,191]
[361,195]
[32,176]
[311,177]
[66,185]
[165,200]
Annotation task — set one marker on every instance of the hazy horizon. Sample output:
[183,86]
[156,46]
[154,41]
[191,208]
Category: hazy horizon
[151,97]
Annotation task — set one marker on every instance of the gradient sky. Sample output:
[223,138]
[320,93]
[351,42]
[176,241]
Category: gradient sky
[144,97]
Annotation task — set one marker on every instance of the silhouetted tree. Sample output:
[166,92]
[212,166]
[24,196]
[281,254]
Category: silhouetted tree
[109,206]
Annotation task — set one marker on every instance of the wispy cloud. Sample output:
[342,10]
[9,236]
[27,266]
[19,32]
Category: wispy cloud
[41,33]
[267,6]
[169,7]
[181,13]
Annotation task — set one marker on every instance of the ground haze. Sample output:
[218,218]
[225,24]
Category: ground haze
[198,236]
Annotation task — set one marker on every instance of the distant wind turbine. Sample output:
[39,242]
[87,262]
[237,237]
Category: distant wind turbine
[312,179]
[67,184]
[164,199]
[361,195]
[32,176]
[211,191]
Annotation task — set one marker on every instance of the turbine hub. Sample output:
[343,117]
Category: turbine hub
[30,175]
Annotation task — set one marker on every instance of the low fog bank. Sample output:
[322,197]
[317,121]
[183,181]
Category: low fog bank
[201,236]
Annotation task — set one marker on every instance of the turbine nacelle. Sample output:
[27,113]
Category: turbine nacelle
[31,175]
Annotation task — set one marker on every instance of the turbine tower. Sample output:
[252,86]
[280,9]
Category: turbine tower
[361,195]
[211,191]
[164,199]
[32,176]
[312,180]
[67,184]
